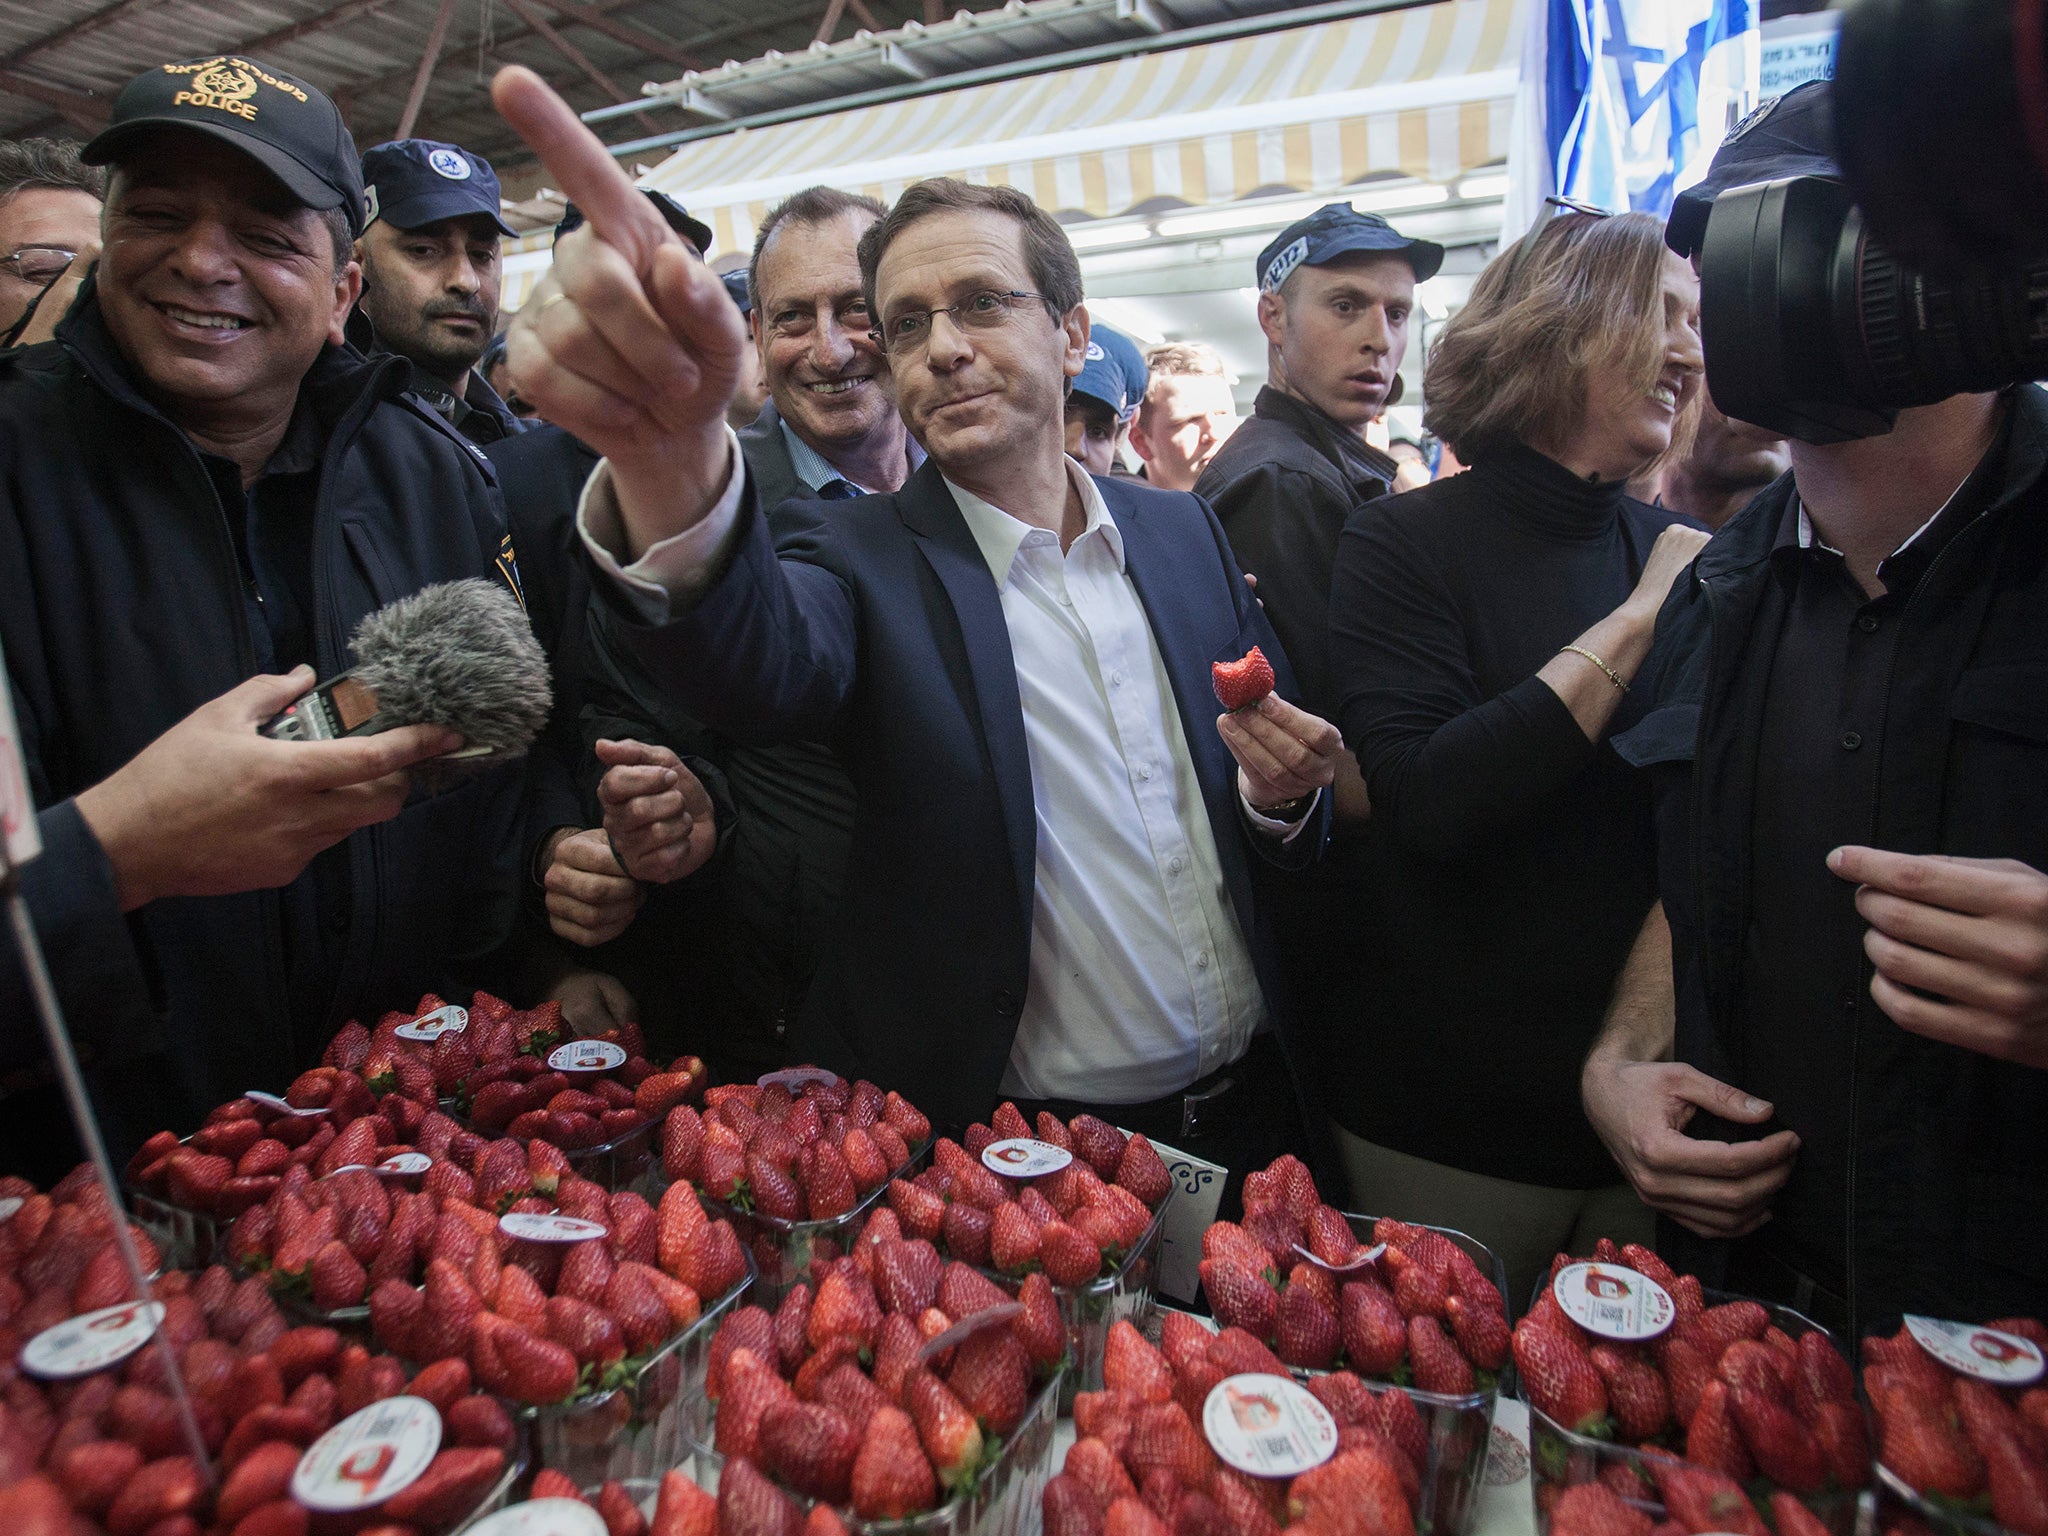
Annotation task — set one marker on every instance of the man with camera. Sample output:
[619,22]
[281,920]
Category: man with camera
[202,491]
[1851,739]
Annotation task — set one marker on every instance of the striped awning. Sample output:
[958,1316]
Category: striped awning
[1426,92]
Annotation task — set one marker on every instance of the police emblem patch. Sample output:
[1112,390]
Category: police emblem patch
[222,86]
[1284,264]
[1095,354]
[1763,111]
[450,164]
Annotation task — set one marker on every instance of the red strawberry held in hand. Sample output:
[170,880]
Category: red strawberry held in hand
[1241,684]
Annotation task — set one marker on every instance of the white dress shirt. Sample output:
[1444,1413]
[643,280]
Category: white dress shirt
[1140,977]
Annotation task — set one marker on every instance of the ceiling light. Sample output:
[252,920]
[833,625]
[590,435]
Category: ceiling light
[1479,188]
[1095,237]
[1420,195]
[1212,221]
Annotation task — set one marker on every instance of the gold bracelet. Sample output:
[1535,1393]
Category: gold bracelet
[1613,676]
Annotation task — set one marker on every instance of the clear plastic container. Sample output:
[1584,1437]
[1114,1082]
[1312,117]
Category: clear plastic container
[185,1238]
[785,1252]
[1559,1459]
[516,1464]
[1899,1509]
[1004,1503]
[1131,1293]
[638,1429]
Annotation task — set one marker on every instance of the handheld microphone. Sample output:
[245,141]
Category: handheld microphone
[458,654]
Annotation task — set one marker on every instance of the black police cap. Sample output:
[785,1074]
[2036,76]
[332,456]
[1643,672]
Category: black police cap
[1334,230]
[286,126]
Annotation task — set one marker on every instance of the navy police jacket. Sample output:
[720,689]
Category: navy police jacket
[123,609]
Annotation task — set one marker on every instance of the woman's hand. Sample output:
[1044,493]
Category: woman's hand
[1676,548]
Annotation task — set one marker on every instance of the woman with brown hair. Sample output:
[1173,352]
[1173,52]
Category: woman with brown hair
[1484,632]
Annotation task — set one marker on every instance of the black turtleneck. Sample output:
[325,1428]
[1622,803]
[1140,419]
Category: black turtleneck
[1510,860]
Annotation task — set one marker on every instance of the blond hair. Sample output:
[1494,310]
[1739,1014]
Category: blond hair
[1514,365]
[1184,359]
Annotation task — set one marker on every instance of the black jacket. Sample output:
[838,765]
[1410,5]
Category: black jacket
[1283,485]
[122,609]
[1950,1159]
[772,894]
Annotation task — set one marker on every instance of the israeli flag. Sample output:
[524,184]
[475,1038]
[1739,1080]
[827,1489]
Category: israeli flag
[1623,102]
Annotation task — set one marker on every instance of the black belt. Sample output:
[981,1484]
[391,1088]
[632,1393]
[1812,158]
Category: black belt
[1187,1117]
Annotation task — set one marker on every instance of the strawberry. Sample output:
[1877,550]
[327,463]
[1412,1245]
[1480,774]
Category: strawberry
[620,1514]
[991,1375]
[677,1221]
[897,1345]
[1820,1374]
[1131,1517]
[792,1326]
[711,1262]
[773,1192]
[1068,1507]
[1435,1360]
[94,1472]
[1306,1330]
[1918,1436]
[1353,1492]
[1718,1327]
[748,1328]
[1069,1257]
[1375,1335]
[1703,1500]
[1039,1329]
[642,1316]
[337,1279]
[844,1308]
[752,1390]
[1163,1438]
[1560,1378]
[921,1212]
[591,1334]
[1013,1241]
[891,1477]
[1686,1374]
[550,1483]
[850,1391]
[1143,1171]
[1759,1368]
[968,1232]
[1714,1440]
[1792,1518]
[536,1370]
[905,1119]
[947,1430]
[1635,1391]
[812,1449]
[1839,1429]
[159,1491]
[864,1161]
[453,1482]
[2013,1467]
[1239,1297]
[1242,683]
[907,1274]
[964,1292]
[828,1181]
[1592,1509]
[681,1508]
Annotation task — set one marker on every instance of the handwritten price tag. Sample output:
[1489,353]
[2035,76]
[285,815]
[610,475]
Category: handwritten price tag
[368,1456]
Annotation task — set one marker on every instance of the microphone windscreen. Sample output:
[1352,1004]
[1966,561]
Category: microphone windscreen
[459,654]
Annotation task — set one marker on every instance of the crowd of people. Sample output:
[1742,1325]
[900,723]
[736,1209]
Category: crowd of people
[1643,838]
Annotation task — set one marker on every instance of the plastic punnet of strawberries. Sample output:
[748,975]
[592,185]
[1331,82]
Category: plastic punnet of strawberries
[1076,1224]
[747,1504]
[812,1154]
[848,1395]
[58,1258]
[1421,1315]
[1752,1408]
[1968,1446]
[107,1451]
[1141,1466]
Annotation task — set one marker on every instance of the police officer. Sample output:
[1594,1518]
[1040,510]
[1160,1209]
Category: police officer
[431,271]
[752,393]
[202,491]
[1104,398]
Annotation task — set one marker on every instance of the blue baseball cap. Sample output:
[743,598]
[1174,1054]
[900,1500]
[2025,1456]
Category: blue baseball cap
[736,284]
[410,183]
[1790,135]
[1337,229]
[1114,371]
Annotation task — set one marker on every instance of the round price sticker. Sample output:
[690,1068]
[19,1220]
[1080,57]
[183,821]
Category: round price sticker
[1614,1302]
[450,1020]
[1024,1157]
[587,1056]
[282,1106]
[797,1079]
[401,1165]
[542,1517]
[92,1341]
[368,1456]
[2004,1359]
[541,1227]
[1268,1426]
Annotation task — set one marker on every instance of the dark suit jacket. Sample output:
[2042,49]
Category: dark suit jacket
[875,625]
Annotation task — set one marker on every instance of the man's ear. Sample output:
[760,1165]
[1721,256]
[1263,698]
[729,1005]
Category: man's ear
[348,287]
[1077,326]
[1139,445]
[1273,317]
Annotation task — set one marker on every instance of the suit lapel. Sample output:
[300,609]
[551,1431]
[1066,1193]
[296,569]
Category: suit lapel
[930,513]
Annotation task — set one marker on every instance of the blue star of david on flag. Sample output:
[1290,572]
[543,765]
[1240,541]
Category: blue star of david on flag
[1623,102]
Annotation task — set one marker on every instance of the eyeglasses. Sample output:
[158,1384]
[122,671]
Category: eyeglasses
[1527,243]
[983,310]
[38,265]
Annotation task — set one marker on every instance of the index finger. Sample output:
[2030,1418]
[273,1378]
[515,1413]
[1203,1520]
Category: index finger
[323,765]
[581,166]
[1676,1153]
[1973,886]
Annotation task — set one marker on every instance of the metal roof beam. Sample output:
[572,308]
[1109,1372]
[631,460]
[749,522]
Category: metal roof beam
[87,111]
[84,26]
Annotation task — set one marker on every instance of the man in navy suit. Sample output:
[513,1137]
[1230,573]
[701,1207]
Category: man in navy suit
[1049,896]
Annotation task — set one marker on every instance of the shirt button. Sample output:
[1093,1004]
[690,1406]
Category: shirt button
[1145,774]
[1202,961]
[1116,679]
[1851,740]
[1867,623]
[1173,866]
